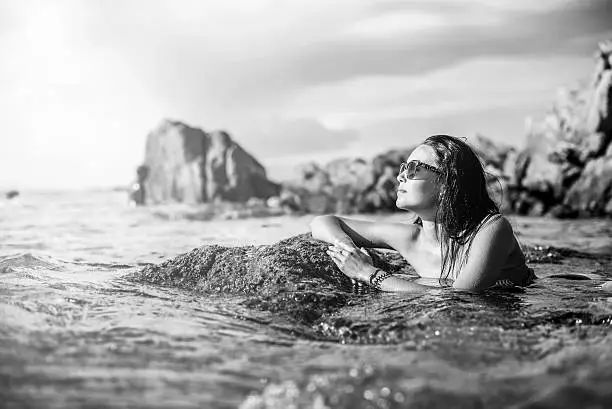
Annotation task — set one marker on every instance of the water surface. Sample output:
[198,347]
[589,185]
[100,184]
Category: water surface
[75,333]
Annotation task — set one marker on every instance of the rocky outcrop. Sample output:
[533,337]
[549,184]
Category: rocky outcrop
[188,165]
[348,185]
[11,194]
[565,168]
[294,276]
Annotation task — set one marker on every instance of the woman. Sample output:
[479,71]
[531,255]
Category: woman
[459,236]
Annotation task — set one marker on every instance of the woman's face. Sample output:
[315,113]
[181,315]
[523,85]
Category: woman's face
[419,191]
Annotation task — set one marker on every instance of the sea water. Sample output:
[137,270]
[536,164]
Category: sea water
[74,332]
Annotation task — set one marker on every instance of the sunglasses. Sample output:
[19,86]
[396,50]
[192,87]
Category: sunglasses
[414,166]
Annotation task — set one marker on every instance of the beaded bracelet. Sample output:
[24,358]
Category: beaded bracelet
[373,275]
[379,279]
[358,287]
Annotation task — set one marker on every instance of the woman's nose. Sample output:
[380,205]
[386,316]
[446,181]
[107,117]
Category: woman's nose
[401,177]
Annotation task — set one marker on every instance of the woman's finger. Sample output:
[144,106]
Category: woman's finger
[348,248]
[334,257]
[334,251]
[338,250]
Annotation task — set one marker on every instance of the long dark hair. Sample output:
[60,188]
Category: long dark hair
[464,202]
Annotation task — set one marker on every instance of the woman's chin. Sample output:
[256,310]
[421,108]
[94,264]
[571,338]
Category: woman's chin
[401,204]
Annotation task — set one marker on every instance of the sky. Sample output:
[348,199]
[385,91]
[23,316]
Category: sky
[82,82]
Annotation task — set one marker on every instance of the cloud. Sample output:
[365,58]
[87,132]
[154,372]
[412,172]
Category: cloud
[299,136]
[242,55]
[472,85]
[470,31]
[84,81]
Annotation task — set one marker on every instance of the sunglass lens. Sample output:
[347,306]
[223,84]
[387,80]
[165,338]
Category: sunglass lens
[409,167]
[412,167]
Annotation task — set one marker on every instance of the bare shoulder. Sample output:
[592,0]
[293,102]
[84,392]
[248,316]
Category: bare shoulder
[498,224]
[495,229]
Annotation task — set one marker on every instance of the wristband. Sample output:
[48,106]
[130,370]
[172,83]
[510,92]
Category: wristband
[373,275]
[358,287]
[379,279]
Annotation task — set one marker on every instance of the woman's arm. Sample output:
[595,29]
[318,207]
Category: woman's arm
[399,285]
[360,233]
[346,257]
[488,254]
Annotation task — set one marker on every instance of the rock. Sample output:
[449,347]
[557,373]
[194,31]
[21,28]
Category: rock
[491,153]
[11,194]
[593,190]
[318,203]
[600,112]
[188,165]
[385,190]
[349,185]
[594,145]
[313,178]
[290,200]
[564,170]
[515,167]
[273,202]
[294,276]
[350,179]
[543,175]
[562,211]
[607,286]
[175,156]
[138,190]
[357,173]
[234,174]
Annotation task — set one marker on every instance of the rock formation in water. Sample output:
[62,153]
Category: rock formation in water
[189,165]
[11,194]
[294,276]
[137,191]
[565,168]
[348,185]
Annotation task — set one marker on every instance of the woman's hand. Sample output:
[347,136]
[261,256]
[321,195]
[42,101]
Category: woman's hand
[353,262]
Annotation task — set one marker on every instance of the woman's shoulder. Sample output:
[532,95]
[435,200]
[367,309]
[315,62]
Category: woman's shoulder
[494,229]
[497,222]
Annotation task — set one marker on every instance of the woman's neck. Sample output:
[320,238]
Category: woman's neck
[430,231]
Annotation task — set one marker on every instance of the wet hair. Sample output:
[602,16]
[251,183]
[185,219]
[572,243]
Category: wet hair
[464,202]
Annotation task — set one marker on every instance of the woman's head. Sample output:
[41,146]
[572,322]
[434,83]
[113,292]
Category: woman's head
[419,182]
[463,196]
[454,195]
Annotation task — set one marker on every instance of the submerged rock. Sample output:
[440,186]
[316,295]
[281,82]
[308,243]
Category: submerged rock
[294,276]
